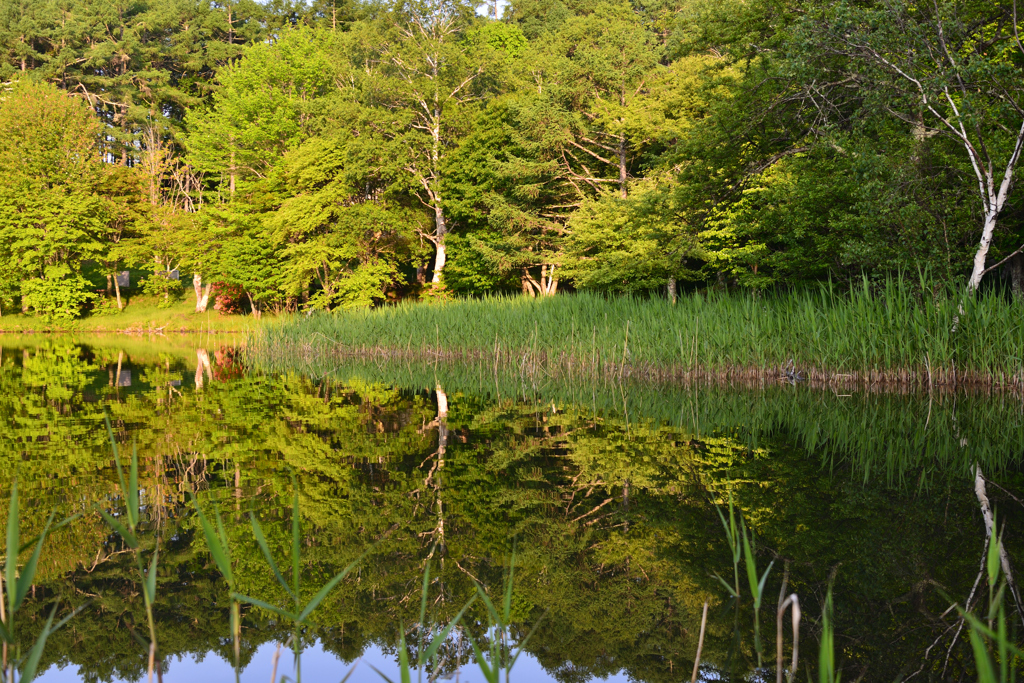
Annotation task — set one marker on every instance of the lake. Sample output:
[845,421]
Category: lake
[609,498]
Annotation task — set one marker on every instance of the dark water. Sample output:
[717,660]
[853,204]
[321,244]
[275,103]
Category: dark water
[606,494]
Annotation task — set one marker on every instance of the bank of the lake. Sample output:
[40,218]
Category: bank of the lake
[892,335]
[141,315]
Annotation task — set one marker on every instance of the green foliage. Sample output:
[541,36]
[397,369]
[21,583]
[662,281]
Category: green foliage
[317,154]
[58,295]
[161,286]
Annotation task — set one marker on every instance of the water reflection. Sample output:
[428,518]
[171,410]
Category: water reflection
[609,490]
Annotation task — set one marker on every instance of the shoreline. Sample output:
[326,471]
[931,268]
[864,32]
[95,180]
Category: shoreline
[524,363]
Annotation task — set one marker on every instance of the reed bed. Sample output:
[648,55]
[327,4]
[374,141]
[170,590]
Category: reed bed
[900,333]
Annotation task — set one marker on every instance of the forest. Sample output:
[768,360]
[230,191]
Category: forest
[344,153]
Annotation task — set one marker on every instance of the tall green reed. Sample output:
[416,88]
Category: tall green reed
[743,545]
[426,652]
[129,534]
[299,612]
[500,655]
[996,654]
[828,671]
[899,331]
[18,585]
[217,542]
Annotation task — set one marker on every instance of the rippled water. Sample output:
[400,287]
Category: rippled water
[606,494]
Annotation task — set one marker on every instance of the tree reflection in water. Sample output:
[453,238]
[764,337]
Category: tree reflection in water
[608,491]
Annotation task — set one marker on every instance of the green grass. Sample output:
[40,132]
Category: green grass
[142,314]
[891,335]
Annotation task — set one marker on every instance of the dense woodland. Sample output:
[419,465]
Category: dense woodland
[346,153]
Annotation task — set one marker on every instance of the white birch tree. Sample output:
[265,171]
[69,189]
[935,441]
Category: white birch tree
[418,82]
[947,68]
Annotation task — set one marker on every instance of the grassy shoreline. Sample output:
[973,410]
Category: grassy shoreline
[893,336]
[142,315]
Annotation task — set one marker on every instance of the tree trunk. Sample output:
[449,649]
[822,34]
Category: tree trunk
[252,304]
[231,168]
[622,166]
[203,369]
[1016,268]
[202,293]
[673,293]
[548,283]
[987,231]
[117,292]
[108,284]
[535,287]
[441,231]
[527,289]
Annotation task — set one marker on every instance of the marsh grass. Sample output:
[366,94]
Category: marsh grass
[893,334]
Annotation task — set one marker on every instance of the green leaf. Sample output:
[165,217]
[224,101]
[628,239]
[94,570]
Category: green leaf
[265,605]
[119,528]
[220,531]
[295,539]
[28,574]
[117,464]
[318,598]
[524,641]
[760,584]
[732,591]
[257,530]
[491,672]
[490,605]
[423,597]
[403,657]
[439,639]
[220,553]
[150,584]
[12,546]
[379,673]
[751,564]
[133,487]
[982,660]
[63,523]
[992,558]
[5,634]
[507,603]
[28,672]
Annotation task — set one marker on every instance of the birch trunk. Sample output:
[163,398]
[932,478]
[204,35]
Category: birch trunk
[439,260]
[673,292]
[203,369]
[987,231]
[202,293]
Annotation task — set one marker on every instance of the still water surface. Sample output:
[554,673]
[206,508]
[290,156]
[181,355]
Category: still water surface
[606,493]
